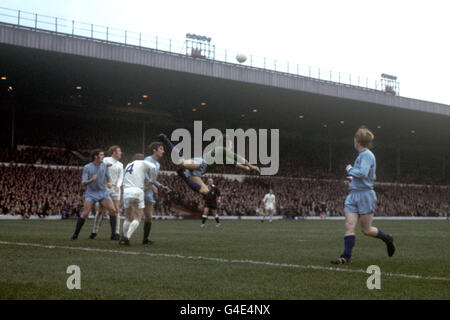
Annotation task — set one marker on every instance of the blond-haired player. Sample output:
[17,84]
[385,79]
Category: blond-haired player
[361,202]
[133,194]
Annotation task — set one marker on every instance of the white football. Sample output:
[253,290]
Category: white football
[241,58]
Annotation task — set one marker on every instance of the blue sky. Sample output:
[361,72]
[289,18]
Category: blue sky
[408,39]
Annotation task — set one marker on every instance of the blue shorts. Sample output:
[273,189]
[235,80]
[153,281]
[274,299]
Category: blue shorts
[197,172]
[362,202]
[149,196]
[97,197]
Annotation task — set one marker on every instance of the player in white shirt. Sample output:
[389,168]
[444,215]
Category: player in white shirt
[116,172]
[134,185]
[269,205]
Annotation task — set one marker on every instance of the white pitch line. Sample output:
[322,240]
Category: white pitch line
[265,263]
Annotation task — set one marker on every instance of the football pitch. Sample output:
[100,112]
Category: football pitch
[249,260]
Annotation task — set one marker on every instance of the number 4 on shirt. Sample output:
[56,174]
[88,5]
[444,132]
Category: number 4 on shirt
[129,169]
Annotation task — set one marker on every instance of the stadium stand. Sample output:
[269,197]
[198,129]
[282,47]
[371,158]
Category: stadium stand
[60,140]
[40,190]
[303,182]
[50,122]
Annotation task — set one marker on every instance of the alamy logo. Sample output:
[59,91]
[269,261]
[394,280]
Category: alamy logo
[374,281]
[74,281]
[258,146]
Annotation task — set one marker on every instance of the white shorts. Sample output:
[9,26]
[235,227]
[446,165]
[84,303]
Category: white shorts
[133,198]
[272,207]
[113,194]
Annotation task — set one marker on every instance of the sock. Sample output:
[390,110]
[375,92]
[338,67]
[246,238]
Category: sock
[217,219]
[133,226]
[147,228]
[112,222]
[80,223]
[97,221]
[349,242]
[383,236]
[194,186]
[126,225]
[203,219]
[171,147]
[118,224]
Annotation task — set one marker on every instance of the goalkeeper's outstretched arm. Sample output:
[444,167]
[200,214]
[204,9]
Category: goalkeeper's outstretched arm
[241,162]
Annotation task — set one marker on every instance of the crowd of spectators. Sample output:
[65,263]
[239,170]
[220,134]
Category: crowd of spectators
[289,167]
[30,190]
[420,201]
[39,155]
[54,138]
[303,184]
[304,197]
[299,158]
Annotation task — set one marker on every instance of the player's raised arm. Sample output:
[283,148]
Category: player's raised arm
[242,167]
[239,161]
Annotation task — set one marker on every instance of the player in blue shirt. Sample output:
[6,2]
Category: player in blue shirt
[157,151]
[361,201]
[96,178]
[192,170]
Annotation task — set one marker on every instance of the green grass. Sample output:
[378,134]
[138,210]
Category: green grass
[30,272]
